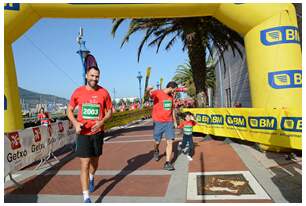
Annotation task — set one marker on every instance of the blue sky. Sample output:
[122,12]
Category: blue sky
[56,38]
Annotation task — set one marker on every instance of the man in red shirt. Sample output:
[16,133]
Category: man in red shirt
[164,119]
[95,107]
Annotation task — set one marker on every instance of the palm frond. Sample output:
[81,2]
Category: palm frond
[144,40]
[116,24]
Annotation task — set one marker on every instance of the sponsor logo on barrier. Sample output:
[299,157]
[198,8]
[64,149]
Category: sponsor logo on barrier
[291,124]
[60,127]
[37,147]
[37,138]
[217,119]
[16,156]
[37,134]
[237,121]
[280,35]
[285,79]
[51,140]
[268,123]
[203,118]
[11,6]
[15,145]
[14,139]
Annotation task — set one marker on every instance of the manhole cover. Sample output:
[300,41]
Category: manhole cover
[232,184]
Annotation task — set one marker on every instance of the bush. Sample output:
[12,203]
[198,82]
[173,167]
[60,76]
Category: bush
[118,118]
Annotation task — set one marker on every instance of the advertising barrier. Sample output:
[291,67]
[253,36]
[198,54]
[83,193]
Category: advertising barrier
[21,148]
[266,126]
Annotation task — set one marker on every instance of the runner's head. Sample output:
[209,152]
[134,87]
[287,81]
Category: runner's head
[42,110]
[170,88]
[188,116]
[92,76]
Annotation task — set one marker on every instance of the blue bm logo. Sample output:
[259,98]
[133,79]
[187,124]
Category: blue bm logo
[285,79]
[291,124]
[280,35]
[217,119]
[11,6]
[268,123]
[237,121]
[203,118]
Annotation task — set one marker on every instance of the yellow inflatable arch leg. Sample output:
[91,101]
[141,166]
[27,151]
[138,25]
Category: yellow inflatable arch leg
[272,49]
[12,110]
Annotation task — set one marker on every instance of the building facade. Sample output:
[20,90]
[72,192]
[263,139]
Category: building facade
[232,82]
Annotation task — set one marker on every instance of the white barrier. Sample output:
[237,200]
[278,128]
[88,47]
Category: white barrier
[24,147]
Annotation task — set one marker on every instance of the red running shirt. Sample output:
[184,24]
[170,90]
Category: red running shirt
[92,105]
[163,106]
[44,118]
[187,125]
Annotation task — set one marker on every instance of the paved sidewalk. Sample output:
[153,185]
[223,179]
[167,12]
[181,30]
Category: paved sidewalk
[128,173]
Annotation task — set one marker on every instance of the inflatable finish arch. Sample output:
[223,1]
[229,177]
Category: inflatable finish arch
[270,33]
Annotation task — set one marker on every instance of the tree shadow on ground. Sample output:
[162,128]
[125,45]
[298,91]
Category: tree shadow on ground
[132,164]
[119,132]
[287,173]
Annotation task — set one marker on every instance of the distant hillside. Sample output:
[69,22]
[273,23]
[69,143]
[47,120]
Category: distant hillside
[33,98]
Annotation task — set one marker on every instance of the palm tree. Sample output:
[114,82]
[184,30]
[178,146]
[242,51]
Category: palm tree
[198,34]
[184,77]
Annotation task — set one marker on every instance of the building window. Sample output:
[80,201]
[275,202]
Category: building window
[228,97]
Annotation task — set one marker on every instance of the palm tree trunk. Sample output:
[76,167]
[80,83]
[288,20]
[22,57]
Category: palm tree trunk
[196,53]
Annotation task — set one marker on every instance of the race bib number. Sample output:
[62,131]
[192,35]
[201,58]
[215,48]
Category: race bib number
[167,104]
[188,130]
[90,111]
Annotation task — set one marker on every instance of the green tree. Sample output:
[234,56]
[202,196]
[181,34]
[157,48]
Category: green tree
[199,36]
[184,77]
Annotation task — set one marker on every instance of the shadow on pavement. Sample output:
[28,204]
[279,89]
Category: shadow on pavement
[286,176]
[175,152]
[119,132]
[132,164]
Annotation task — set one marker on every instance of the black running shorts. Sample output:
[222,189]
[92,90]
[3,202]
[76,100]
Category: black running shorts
[89,145]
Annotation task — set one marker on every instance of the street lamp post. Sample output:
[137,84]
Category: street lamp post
[83,51]
[157,85]
[139,77]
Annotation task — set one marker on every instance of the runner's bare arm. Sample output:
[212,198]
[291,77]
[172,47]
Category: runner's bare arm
[108,115]
[174,118]
[71,117]
[99,124]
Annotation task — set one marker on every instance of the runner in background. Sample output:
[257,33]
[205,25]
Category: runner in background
[44,117]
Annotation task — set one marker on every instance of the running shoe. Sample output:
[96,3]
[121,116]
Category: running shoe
[88,200]
[156,155]
[168,166]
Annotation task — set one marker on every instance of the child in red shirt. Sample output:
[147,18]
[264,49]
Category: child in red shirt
[187,125]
